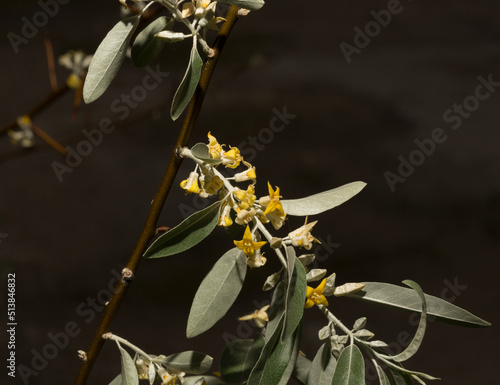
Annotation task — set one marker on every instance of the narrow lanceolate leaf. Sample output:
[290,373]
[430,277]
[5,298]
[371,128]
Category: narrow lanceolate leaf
[252,5]
[108,58]
[201,151]
[350,368]
[187,234]
[382,376]
[295,298]
[217,292]
[276,311]
[408,299]
[190,362]
[399,378]
[322,367]
[285,377]
[274,360]
[415,343]
[129,371]
[147,46]
[239,358]
[323,201]
[188,84]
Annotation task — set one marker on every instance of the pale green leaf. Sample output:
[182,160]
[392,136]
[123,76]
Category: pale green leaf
[276,312]
[323,201]
[301,370]
[251,5]
[359,324]
[295,297]
[291,362]
[188,84]
[129,371]
[399,378]
[239,358]
[187,234]
[315,275]
[146,46]
[350,368]
[322,367]
[382,376]
[408,299]
[217,292]
[108,58]
[274,360]
[415,343]
[272,281]
[201,151]
[190,362]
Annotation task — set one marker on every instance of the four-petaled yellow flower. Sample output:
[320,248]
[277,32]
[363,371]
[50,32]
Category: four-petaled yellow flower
[248,245]
[315,296]
[191,183]
[302,237]
[231,158]
[214,148]
[274,203]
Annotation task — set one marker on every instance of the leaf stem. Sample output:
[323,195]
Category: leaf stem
[140,352]
[149,228]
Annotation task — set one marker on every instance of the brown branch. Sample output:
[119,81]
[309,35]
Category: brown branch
[149,229]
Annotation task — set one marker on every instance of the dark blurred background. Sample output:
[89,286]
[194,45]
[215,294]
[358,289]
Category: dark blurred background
[353,120]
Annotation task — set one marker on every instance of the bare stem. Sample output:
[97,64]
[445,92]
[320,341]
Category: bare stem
[150,226]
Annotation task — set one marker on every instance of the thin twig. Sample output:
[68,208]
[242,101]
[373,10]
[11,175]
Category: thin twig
[42,134]
[148,231]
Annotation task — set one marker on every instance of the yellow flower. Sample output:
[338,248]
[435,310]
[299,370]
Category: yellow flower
[232,158]
[214,148]
[259,317]
[210,183]
[302,237]
[246,198]
[248,245]
[315,296]
[225,217]
[191,183]
[244,217]
[274,203]
[243,176]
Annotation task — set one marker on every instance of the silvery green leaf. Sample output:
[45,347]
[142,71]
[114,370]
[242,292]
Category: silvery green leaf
[188,84]
[315,275]
[295,297]
[239,358]
[190,362]
[146,46]
[330,285]
[364,334]
[359,324]
[350,367]
[340,339]
[399,378]
[202,152]
[108,58]
[323,201]
[272,281]
[408,299]
[251,5]
[377,344]
[382,376]
[274,359]
[276,311]
[117,380]
[129,371]
[416,341]
[347,288]
[285,377]
[307,259]
[322,367]
[217,292]
[187,234]
[325,332]
[301,370]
